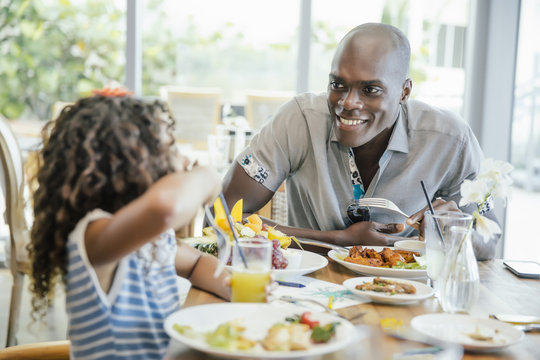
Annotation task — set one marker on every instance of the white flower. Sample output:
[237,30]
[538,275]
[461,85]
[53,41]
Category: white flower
[473,191]
[486,227]
[495,171]
[502,188]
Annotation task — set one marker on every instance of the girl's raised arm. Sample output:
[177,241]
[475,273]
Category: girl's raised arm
[171,202]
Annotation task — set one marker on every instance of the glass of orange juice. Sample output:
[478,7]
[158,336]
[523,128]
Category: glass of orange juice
[249,283]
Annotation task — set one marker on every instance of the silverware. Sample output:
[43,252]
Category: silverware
[291,284]
[528,327]
[516,319]
[294,300]
[382,204]
[231,225]
[222,241]
[339,249]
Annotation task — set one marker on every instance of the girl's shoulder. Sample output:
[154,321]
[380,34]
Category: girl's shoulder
[78,231]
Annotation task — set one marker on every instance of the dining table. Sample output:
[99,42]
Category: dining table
[500,292]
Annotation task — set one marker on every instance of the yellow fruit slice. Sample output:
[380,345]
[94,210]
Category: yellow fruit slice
[255,227]
[254,219]
[219,212]
[236,212]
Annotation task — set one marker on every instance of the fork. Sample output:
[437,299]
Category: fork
[381,203]
[292,300]
[222,241]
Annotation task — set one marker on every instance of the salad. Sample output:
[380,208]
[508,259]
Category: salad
[297,332]
[251,227]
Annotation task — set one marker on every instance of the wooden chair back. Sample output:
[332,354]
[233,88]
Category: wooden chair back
[196,112]
[12,181]
[47,350]
[261,105]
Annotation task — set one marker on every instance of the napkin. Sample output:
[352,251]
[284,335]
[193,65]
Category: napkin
[320,291]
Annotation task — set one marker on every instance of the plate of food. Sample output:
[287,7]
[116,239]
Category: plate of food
[389,291]
[290,262]
[474,334]
[380,261]
[263,331]
[286,262]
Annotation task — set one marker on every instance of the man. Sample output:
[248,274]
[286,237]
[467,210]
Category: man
[364,133]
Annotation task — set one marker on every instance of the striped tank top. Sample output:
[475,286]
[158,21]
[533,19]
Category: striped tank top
[127,322]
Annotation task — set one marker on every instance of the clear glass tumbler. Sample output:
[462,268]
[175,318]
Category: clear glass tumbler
[251,269]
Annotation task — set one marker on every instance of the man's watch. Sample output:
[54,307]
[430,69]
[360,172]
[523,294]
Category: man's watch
[488,205]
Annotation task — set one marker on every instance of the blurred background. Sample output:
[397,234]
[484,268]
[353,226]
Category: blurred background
[245,58]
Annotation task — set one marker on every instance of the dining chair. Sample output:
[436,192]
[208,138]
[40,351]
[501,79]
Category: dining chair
[261,105]
[276,208]
[46,350]
[12,181]
[196,112]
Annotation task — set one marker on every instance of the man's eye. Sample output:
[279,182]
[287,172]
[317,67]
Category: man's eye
[370,90]
[335,85]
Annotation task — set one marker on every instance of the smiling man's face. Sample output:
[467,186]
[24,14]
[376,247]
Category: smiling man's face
[365,88]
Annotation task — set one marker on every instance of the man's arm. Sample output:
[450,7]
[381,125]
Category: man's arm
[239,185]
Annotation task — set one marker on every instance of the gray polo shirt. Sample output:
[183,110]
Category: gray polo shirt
[299,145]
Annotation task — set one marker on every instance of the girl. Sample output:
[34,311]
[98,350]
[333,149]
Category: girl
[110,193]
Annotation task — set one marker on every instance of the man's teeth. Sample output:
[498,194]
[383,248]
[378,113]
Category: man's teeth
[352,122]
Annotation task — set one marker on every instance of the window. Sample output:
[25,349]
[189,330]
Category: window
[57,51]
[436,31]
[231,45]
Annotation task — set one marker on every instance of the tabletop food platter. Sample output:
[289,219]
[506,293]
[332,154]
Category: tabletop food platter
[375,270]
[256,319]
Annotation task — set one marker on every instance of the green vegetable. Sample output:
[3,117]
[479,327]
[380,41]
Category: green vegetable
[293,319]
[413,265]
[210,248]
[323,334]
[185,330]
[224,336]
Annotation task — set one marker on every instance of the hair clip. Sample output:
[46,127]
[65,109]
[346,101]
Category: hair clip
[112,92]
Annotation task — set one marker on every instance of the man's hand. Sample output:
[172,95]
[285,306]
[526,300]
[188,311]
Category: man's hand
[417,220]
[370,233]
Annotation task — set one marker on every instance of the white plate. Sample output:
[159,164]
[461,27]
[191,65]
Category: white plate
[377,271]
[411,245]
[310,262]
[422,291]
[184,285]
[454,329]
[257,319]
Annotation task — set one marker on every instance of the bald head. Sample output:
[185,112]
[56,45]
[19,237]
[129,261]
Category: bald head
[381,40]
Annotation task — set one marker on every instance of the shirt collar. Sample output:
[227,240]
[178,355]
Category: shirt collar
[398,141]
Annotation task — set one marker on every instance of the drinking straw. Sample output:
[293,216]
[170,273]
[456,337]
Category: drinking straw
[431,210]
[229,220]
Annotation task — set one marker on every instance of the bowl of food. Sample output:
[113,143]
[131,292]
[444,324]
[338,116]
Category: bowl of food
[411,245]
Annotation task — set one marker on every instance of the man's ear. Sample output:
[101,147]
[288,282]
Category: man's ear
[406,90]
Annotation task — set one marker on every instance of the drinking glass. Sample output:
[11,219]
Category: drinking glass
[249,282]
[218,151]
[438,239]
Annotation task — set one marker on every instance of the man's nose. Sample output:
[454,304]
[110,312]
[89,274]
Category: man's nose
[351,100]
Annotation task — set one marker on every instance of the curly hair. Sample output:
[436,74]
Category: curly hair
[102,152]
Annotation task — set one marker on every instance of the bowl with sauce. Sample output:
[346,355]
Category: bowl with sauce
[411,245]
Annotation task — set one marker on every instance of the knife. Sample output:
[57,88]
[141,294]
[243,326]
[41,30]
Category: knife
[291,284]
[516,319]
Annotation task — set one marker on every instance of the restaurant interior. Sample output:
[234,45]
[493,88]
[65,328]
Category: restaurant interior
[224,68]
